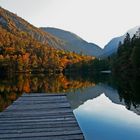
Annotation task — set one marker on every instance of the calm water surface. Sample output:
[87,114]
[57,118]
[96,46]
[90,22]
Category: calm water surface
[105,109]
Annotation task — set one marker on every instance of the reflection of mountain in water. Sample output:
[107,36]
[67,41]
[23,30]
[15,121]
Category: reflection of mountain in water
[101,119]
[81,89]
[80,96]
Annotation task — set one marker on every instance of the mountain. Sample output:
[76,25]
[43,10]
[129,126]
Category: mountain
[26,48]
[74,43]
[52,37]
[112,46]
[19,27]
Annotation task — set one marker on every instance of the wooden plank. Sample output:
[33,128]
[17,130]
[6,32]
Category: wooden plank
[41,106]
[38,120]
[33,134]
[43,98]
[55,115]
[43,126]
[56,109]
[53,98]
[42,94]
[62,137]
[39,102]
[38,112]
[35,120]
[33,115]
[36,123]
[15,131]
[39,117]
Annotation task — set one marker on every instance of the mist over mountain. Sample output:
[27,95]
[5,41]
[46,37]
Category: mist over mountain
[74,42]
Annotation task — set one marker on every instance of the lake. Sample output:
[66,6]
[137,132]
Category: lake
[105,108]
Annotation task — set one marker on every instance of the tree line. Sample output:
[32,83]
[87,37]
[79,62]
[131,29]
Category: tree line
[21,53]
[127,60]
[125,63]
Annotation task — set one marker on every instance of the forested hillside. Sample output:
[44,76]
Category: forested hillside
[112,46]
[25,48]
[19,27]
[75,43]
[127,61]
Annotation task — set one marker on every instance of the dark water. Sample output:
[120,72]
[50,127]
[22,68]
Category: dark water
[106,108]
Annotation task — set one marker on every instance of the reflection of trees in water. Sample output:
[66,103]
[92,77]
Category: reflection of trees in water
[129,90]
[13,87]
[119,91]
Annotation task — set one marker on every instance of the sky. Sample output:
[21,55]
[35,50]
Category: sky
[96,21]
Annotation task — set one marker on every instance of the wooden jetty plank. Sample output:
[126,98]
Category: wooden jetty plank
[38,102]
[19,117]
[41,101]
[36,106]
[37,112]
[56,109]
[43,94]
[43,98]
[63,137]
[32,115]
[39,117]
[15,131]
[33,134]
[37,120]
[34,126]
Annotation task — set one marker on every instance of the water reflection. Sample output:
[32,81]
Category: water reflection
[119,91]
[11,87]
[101,119]
[129,91]
[106,109]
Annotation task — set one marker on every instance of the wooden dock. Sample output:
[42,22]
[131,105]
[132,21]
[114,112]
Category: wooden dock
[39,117]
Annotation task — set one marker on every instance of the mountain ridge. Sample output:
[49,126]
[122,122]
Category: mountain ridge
[112,46]
[58,38]
[15,24]
[26,48]
[74,42]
